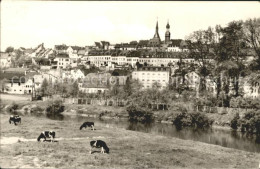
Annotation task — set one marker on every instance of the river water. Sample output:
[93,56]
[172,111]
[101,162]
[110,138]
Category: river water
[222,137]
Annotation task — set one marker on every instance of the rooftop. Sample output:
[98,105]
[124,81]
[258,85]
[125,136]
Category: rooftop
[167,69]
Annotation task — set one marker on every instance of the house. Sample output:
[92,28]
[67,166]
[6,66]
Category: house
[63,60]
[95,83]
[177,45]
[250,89]
[61,48]
[111,46]
[150,75]
[73,74]
[18,80]
[5,60]
[100,60]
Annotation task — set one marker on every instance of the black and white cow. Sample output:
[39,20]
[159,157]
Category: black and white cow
[46,134]
[87,124]
[99,144]
[15,119]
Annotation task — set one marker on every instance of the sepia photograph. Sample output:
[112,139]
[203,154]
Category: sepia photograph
[130,84]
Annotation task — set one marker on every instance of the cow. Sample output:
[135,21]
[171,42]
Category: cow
[46,134]
[15,119]
[87,124]
[99,144]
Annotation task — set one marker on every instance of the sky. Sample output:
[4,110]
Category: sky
[30,23]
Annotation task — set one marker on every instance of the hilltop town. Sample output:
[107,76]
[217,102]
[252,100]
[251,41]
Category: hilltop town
[171,63]
[104,84]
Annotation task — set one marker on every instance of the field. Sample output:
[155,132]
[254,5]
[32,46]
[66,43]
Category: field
[128,149]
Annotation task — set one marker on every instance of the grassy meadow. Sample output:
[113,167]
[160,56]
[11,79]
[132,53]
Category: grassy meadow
[128,149]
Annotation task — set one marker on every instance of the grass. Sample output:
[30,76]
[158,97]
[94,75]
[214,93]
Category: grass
[128,149]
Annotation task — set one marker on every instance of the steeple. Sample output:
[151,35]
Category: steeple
[156,35]
[156,40]
[168,25]
[167,33]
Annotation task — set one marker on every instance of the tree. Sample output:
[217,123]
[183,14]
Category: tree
[232,52]
[235,122]
[199,44]
[251,32]
[9,49]
[74,89]
[44,87]
[54,108]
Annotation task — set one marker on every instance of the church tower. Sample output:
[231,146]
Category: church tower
[156,40]
[167,33]
[156,35]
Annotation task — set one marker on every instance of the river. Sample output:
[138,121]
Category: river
[222,137]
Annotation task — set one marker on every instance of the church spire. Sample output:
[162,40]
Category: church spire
[156,35]
[168,25]
[167,33]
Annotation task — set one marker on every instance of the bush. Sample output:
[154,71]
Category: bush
[235,122]
[196,120]
[13,108]
[251,122]
[55,108]
[139,114]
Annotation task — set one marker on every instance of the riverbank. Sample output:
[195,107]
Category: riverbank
[128,149]
[24,106]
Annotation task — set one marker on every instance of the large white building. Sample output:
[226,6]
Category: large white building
[63,61]
[100,60]
[149,75]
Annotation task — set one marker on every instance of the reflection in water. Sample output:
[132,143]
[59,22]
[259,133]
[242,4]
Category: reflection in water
[55,117]
[225,138]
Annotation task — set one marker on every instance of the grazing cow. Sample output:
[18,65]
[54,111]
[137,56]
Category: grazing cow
[99,144]
[87,124]
[15,119]
[46,134]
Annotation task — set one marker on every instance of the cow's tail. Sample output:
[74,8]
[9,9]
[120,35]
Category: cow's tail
[10,121]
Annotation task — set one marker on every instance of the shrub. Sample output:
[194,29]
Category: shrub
[200,120]
[139,114]
[55,108]
[251,122]
[196,120]
[13,108]
[235,122]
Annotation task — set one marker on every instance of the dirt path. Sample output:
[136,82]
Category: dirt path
[12,140]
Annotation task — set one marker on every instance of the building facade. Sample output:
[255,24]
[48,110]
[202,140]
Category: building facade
[151,75]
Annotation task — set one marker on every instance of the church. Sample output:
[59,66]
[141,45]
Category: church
[171,45]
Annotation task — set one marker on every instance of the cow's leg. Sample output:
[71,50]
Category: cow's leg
[90,150]
[92,127]
[102,150]
[15,123]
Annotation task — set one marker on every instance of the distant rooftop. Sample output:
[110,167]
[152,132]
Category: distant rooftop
[148,68]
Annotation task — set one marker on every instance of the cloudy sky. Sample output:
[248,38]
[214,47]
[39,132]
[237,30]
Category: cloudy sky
[29,23]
